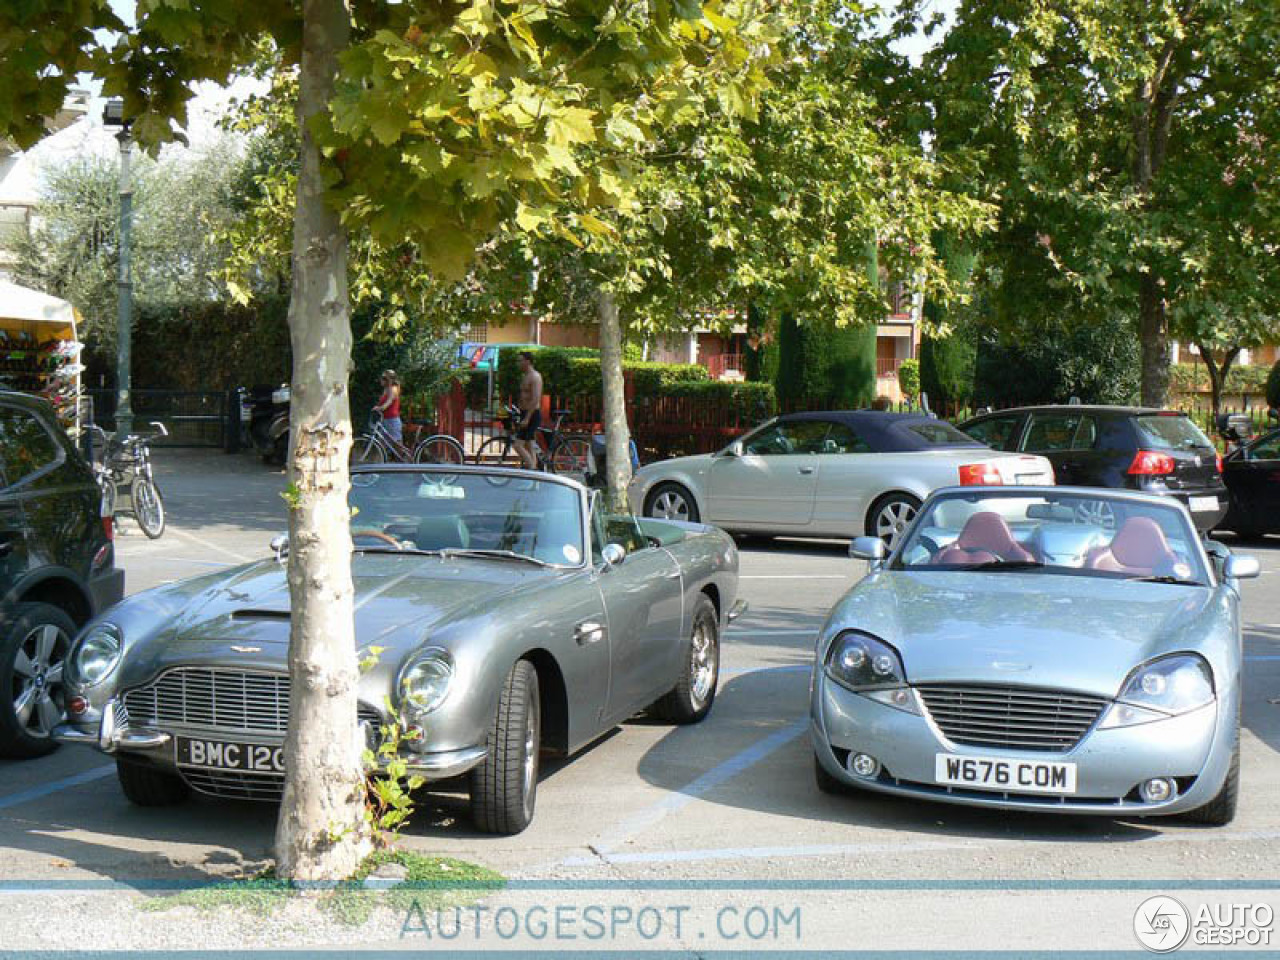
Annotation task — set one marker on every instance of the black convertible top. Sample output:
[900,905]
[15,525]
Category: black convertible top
[887,432]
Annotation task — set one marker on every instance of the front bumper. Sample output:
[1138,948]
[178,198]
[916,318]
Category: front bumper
[1195,749]
[113,734]
[1204,520]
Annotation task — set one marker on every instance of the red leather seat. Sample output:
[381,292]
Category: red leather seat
[985,537]
[1139,548]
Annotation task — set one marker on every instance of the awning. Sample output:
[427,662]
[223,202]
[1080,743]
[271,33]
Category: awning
[22,303]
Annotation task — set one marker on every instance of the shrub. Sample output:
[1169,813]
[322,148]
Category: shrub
[946,368]
[749,400]
[1194,378]
[575,372]
[909,378]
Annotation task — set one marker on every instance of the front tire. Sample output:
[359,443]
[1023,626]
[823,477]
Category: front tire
[890,516]
[145,786]
[148,507]
[33,655]
[1221,810]
[694,693]
[826,782]
[504,788]
[671,501]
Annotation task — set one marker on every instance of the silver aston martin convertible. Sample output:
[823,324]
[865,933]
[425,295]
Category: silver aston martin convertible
[1011,652]
[513,616]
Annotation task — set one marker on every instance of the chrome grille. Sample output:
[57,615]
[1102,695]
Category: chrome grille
[235,784]
[1012,718]
[219,699]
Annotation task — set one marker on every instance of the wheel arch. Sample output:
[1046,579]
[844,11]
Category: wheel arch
[59,588]
[680,480]
[554,698]
[900,491]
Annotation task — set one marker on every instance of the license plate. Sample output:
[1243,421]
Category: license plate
[1204,504]
[227,755]
[1013,776]
[1028,479]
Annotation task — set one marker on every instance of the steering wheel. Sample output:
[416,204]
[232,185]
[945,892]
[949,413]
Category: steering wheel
[377,535]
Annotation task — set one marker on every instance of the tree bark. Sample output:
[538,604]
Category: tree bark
[1217,374]
[616,432]
[321,833]
[1153,330]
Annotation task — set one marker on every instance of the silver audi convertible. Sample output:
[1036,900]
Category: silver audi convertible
[513,616]
[1012,652]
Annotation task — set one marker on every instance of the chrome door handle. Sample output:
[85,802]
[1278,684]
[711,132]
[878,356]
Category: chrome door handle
[806,470]
[589,631]
[674,575]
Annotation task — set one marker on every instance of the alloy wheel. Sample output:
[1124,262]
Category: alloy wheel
[892,521]
[38,679]
[670,505]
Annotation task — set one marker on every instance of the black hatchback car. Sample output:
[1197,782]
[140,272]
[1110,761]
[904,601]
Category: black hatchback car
[1134,448]
[1253,479]
[57,568]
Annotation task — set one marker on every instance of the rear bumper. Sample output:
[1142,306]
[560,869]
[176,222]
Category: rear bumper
[1204,519]
[106,589]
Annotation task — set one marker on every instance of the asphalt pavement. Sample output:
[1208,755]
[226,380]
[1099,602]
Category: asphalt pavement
[729,804]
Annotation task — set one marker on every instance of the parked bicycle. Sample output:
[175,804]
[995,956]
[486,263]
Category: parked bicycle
[568,455]
[126,464]
[377,445]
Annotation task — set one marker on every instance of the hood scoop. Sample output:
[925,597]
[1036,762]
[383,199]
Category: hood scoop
[277,615]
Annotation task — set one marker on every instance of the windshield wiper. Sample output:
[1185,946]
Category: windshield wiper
[1165,578]
[492,555]
[414,551]
[1006,565]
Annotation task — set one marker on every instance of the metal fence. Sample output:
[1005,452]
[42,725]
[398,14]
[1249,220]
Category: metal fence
[194,418]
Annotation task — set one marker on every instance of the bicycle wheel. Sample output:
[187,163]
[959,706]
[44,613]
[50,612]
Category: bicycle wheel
[366,449]
[148,508]
[498,452]
[571,457]
[440,448]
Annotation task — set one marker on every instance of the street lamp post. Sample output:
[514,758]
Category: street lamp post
[113,116]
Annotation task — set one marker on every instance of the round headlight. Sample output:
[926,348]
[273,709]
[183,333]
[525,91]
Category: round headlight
[424,681]
[96,655]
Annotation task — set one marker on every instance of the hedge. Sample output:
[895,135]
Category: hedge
[748,400]
[575,372]
[1194,378]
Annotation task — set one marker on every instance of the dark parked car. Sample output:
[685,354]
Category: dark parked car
[1252,474]
[1133,448]
[57,568]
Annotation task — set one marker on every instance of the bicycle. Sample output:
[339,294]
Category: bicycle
[567,455]
[377,445]
[127,463]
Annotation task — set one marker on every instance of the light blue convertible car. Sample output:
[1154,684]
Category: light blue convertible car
[1012,652]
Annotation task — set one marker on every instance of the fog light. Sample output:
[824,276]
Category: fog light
[77,706]
[863,765]
[1158,790]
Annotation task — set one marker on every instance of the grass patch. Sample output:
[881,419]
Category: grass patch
[430,883]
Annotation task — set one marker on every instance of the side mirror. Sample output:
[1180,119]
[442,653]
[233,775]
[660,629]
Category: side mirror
[280,546]
[871,549]
[613,554]
[732,450]
[1240,567]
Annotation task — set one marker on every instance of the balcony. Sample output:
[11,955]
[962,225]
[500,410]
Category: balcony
[887,367]
[725,366]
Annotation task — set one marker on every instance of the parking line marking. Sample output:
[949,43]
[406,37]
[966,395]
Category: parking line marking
[1263,656]
[743,671]
[35,793]
[793,576]
[208,544]
[772,633]
[717,775]
[199,563]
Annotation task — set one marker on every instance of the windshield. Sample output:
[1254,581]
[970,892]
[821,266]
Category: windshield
[1171,432]
[1075,533]
[419,510]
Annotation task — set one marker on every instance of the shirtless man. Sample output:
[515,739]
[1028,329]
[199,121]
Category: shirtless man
[530,411]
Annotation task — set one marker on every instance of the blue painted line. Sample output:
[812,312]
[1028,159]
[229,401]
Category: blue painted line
[743,671]
[1263,656]
[36,793]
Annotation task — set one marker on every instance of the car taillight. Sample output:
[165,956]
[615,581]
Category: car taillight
[1150,463]
[109,527]
[980,475]
[1219,458]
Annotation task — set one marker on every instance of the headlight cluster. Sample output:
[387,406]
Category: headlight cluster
[1162,688]
[871,667]
[96,654]
[424,682]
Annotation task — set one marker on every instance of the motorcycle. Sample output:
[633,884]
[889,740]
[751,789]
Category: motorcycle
[268,413]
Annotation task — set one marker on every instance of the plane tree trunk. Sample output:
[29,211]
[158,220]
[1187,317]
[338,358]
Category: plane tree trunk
[321,833]
[616,431]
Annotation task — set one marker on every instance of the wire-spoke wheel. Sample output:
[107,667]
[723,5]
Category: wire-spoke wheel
[366,449]
[890,516]
[498,452]
[148,507]
[33,655]
[571,458]
[694,693]
[670,501]
[440,448]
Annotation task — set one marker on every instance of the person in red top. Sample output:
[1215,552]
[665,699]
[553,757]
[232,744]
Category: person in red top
[389,406]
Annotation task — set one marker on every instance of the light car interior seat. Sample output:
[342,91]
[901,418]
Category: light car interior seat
[985,537]
[1139,549]
[442,533]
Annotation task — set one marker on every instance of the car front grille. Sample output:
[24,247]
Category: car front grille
[1011,718]
[235,784]
[219,699]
